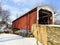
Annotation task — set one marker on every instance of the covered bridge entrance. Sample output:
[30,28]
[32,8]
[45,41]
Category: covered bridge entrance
[44,16]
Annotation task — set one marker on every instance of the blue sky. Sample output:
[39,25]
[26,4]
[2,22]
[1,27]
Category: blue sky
[19,7]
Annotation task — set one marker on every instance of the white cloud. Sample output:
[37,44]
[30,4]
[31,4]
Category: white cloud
[25,10]
[17,1]
[15,12]
[28,1]
[0,0]
[6,7]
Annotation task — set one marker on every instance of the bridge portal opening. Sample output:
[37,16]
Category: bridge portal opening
[45,17]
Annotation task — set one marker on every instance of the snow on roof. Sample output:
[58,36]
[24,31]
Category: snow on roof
[12,39]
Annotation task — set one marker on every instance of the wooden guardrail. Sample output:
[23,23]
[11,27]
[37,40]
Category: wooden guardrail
[46,34]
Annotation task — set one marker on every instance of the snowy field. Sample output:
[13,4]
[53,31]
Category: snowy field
[11,39]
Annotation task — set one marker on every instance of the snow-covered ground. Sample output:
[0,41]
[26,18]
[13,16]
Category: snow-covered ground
[11,39]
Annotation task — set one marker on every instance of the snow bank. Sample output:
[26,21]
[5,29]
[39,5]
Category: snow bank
[11,39]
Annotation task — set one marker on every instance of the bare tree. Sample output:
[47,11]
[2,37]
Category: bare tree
[4,17]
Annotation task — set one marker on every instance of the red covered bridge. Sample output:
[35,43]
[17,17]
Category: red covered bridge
[42,15]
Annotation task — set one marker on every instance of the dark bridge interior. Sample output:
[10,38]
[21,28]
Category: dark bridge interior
[44,16]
